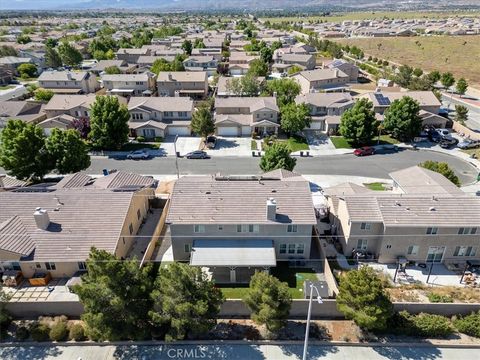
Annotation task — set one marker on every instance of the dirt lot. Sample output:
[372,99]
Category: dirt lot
[457,54]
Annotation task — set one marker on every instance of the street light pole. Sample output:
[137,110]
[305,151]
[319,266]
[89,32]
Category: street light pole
[307,330]
[176,155]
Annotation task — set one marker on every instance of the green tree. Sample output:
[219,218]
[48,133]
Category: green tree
[434,76]
[27,70]
[286,90]
[187,46]
[6,50]
[358,124]
[247,85]
[69,55]
[404,76]
[111,70]
[266,54]
[5,317]
[116,297]
[295,117]
[441,168]
[22,151]
[447,80]
[51,42]
[402,119]
[23,39]
[202,122]
[186,303]
[269,301]
[462,86]
[68,151]
[294,69]
[43,95]
[198,44]
[52,58]
[277,156]
[417,72]
[461,114]
[109,123]
[258,67]
[363,299]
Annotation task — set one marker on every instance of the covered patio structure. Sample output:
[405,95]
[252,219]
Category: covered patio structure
[235,260]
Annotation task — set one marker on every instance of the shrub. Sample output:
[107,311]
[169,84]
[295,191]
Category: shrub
[439,298]
[40,332]
[140,139]
[22,333]
[59,331]
[432,325]
[469,324]
[77,332]
[158,139]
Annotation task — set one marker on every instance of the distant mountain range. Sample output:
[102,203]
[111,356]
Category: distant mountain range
[250,5]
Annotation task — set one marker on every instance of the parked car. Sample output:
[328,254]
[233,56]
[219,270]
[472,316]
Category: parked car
[211,142]
[469,144]
[443,132]
[199,154]
[434,136]
[138,155]
[448,142]
[364,151]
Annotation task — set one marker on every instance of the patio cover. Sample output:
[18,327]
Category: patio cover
[122,91]
[243,253]
[65,90]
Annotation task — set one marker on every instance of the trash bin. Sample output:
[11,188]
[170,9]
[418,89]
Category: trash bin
[253,153]
[308,153]
[259,153]
[301,153]
[178,154]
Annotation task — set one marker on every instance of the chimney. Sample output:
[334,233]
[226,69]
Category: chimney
[41,218]
[271,209]
[69,75]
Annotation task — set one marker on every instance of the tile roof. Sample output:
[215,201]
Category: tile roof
[14,237]
[253,103]
[62,76]
[182,76]
[169,103]
[121,179]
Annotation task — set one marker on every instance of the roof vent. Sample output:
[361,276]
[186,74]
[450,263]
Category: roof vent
[432,209]
[274,191]
[41,218]
[397,203]
[208,192]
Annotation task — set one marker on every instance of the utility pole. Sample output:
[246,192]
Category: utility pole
[176,156]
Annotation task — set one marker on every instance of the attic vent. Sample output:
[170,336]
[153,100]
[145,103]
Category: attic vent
[274,191]
[432,209]
[408,209]
[434,198]
[397,203]
[208,192]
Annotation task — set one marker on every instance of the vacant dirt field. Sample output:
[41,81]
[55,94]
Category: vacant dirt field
[457,54]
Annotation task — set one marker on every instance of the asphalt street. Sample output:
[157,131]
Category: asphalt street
[377,166]
[473,121]
[235,352]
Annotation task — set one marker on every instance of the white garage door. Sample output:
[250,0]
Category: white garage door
[316,125]
[228,131]
[179,130]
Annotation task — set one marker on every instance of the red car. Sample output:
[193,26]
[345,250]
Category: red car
[364,151]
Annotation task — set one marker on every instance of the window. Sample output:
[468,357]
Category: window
[198,228]
[300,248]
[168,114]
[138,214]
[187,248]
[137,116]
[250,228]
[38,265]
[432,230]
[362,244]
[465,251]
[82,265]
[283,248]
[467,231]
[253,228]
[130,228]
[291,248]
[239,228]
[412,250]
[365,226]
[220,227]
[388,246]
[292,228]
[50,266]
[182,114]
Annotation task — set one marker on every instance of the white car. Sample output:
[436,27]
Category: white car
[138,155]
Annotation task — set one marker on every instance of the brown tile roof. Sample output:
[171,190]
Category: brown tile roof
[14,237]
[120,179]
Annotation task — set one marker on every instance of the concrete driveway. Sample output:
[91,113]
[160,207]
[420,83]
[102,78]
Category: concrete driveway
[232,146]
[185,144]
[318,142]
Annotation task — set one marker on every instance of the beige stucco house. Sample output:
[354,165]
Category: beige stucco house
[183,83]
[322,80]
[68,82]
[130,84]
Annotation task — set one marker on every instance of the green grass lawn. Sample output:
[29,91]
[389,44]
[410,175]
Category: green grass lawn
[238,292]
[139,146]
[341,143]
[7,87]
[375,186]
[297,144]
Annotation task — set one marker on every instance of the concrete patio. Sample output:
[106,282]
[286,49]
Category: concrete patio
[232,146]
[56,290]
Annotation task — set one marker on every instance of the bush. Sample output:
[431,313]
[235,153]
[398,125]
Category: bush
[77,332]
[432,325]
[439,298]
[59,331]
[22,333]
[469,324]
[140,139]
[158,139]
[40,332]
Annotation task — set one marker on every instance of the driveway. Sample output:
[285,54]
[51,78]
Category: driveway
[185,144]
[232,146]
[318,142]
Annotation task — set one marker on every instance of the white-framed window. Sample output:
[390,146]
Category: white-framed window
[291,228]
[50,266]
[388,246]
[362,244]
[412,250]
[187,248]
[291,248]
[365,226]
[38,265]
[283,248]
[432,230]
[198,228]
[465,251]
[300,248]
[248,228]
[467,231]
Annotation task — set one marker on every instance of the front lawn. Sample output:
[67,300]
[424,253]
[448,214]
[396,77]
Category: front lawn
[375,186]
[341,143]
[297,143]
[140,146]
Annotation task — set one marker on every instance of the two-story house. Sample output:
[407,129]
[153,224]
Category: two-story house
[284,61]
[130,84]
[326,109]
[322,80]
[183,83]
[239,62]
[160,116]
[131,55]
[242,116]
[212,228]
[122,65]
[201,63]
[348,68]
[68,82]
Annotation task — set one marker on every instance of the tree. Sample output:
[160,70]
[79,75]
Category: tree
[186,303]
[434,76]
[198,44]
[461,114]
[462,86]
[82,125]
[22,151]
[52,58]
[277,156]
[447,80]
[116,297]
[187,46]
[68,151]
[441,168]
[111,70]
[247,85]
[43,94]
[23,39]
[363,299]
[202,122]
[269,301]
[27,70]
[51,42]
[109,123]
[258,67]
[5,317]
[69,55]
[417,72]
[359,125]
[294,69]
[266,54]
[294,117]
[6,50]
[404,76]
[285,90]
[402,119]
